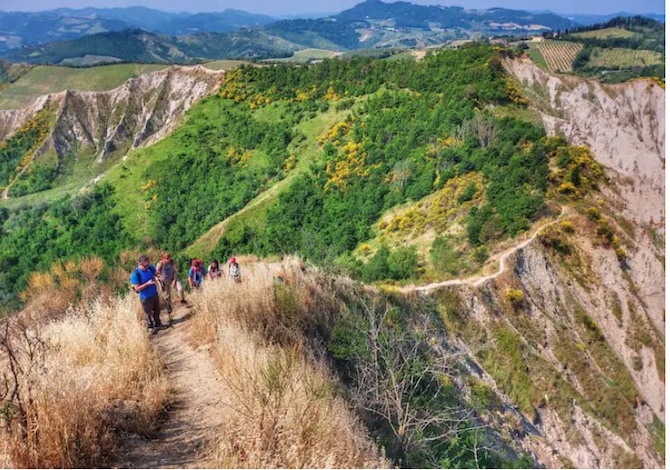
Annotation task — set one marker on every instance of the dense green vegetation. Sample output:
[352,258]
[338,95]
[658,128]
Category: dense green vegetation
[31,239]
[223,156]
[409,129]
[421,125]
[16,153]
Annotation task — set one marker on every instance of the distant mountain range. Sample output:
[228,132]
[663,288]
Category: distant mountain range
[99,35]
[594,19]
[19,29]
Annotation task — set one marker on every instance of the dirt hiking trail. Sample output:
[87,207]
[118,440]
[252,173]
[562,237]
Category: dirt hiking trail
[477,281]
[198,408]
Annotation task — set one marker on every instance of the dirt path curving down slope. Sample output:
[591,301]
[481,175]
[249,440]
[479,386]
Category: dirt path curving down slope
[198,409]
[477,281]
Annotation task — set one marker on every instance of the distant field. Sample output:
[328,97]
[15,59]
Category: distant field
[88,60]
[623,58]
[42,80]
[224,64]
[606,33]
[559,56]
[411,55]
[537,57]
[307,55]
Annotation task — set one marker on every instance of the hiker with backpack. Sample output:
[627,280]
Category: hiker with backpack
[214,270]
[234,270]
[143,282]
[196,274]
[167,276]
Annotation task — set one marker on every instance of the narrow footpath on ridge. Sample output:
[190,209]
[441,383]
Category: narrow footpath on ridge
[200,402]
[198,408]
[477,281]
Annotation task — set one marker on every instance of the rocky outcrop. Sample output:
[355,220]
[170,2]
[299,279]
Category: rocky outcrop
[583,355]
[624,125]
[138,113]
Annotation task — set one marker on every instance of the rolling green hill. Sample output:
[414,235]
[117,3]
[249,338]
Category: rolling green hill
[42,80]
[371,24]
[141,46]
[348,139]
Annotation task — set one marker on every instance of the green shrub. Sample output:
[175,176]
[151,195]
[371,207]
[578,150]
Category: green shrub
[402,263]
[444,257]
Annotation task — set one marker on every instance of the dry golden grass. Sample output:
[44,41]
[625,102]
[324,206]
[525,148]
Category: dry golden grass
[50,294]
[91,374]
[274,299]
[284,409]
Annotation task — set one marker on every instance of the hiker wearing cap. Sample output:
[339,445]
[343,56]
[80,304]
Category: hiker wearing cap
[167,275]
[234,269]
[142,280]
[196,274]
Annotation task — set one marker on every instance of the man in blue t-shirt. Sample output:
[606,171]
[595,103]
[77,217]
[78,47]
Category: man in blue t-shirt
[144,284]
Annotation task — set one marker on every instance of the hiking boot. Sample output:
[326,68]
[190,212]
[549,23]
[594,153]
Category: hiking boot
[182,301]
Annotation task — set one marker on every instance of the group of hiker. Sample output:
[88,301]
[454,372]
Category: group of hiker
[146,278]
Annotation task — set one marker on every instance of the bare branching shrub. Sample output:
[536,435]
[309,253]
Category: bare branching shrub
[284,411]
[484,128]
[399,381]
[276,331]
[67,378]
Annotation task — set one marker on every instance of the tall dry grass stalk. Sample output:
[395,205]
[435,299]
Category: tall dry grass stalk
[280,301]
[284,409]
[51,293]
[81,379]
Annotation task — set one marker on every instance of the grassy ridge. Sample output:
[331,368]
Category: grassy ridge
[43,80]
[606,33]
[77,370]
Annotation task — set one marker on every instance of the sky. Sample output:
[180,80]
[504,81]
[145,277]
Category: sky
[295,7]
